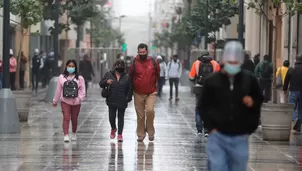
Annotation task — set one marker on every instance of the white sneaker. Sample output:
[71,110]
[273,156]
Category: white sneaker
[74,136]
[66,138]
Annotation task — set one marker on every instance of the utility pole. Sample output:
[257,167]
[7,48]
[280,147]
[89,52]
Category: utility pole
[53,82]
[240,23]
[289,36]
[9,118]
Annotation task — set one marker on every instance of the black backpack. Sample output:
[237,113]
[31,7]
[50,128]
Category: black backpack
[70,88]
[266,70]
[205,69]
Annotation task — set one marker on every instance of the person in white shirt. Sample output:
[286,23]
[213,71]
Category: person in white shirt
[174,70]
[162,80]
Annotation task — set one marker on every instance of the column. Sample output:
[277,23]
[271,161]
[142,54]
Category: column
[248,29]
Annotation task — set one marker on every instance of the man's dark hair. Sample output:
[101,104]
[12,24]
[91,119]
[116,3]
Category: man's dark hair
[142,46]
[266,57]
[120,63]
[175,56]
[246,56]
[286,63]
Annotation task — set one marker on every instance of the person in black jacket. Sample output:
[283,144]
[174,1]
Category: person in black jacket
[119,97]
[248,64]
[230,108]
[86,70]
[293,79]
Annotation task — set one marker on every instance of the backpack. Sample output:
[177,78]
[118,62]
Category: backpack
[70,88]
[134,65]
[205,69]
[171,64]
[265,70]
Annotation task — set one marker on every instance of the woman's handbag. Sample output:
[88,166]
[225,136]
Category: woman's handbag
[106,91]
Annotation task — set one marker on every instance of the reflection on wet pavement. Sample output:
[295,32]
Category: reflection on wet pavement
[40,145]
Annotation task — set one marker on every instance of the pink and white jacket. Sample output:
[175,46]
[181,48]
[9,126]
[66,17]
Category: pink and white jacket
[12,64]
[70,101]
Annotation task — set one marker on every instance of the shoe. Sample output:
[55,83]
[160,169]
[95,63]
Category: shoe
[140,139]
[206,134]
[66,138]
[177,99]
[120,138]
[199,133]
[74,136]
[151,138]
[112,134]
[170,98]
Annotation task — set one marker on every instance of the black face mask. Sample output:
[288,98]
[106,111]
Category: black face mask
[120,70]
[175,60]
[143,57]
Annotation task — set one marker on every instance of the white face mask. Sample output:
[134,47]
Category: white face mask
[122,58]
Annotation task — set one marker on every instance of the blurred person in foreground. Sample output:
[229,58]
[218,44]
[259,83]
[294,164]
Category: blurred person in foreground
[230,105]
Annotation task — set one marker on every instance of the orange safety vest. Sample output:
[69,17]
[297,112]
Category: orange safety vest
[195,68]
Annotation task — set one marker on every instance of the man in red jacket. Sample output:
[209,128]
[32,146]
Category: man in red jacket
[144,72]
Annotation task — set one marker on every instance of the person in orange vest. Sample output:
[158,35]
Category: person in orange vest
[201,68]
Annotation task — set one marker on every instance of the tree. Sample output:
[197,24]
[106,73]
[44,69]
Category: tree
[79,11]
[102,34]
[219,14]
[292,7]
[31,13]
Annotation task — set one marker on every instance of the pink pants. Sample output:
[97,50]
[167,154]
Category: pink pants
[70,112]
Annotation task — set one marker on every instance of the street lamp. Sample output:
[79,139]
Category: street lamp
[120,22]
[9,119]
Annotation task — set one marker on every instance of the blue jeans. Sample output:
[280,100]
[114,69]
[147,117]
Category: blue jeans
[227,153]
[295,98]
[1,80]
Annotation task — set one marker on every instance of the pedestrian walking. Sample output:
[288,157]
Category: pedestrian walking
[71,92]
[86,70]
[116,83]
[293,83]
[280,78]
[23,62]
[230,105]
[36,66]
[201,68]
[174,70]
[162,79]
[264,72]
[144,74]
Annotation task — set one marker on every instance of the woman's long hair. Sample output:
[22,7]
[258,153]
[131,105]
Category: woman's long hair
[66,73]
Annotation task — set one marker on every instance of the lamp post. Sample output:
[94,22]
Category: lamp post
[240,23]
[9,119]
[120,22]
[53,82]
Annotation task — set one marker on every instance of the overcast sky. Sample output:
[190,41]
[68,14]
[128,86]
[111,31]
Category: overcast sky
[133,7]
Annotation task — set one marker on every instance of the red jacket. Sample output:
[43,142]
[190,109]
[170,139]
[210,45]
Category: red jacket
[144,76]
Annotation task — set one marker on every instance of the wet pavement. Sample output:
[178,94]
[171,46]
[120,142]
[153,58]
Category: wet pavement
[176,147]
